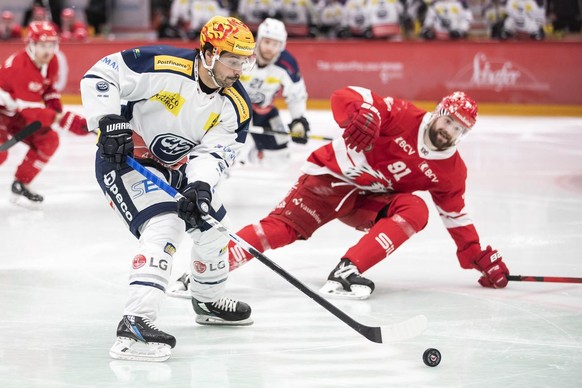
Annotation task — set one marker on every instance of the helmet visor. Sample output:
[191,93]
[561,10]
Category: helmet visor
[238,62]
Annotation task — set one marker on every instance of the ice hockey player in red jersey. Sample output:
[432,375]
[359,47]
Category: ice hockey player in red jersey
[71,28]
[9,29]
[366,179]
[27,95]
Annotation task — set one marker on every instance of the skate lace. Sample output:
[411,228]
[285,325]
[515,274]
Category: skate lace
[150,325]
[345,271]
[225,304]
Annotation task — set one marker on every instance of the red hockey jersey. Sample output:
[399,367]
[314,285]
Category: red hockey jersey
[400,162]
[24,83]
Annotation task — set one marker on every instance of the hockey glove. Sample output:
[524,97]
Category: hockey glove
[364,128]
[494,270]
[52,100]
[196,203]
[74,123]
[115,142]
[298,130]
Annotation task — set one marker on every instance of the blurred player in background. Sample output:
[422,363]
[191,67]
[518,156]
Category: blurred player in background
[525,18]
[186,118]
[9,29]
[71,28]
[447,20]
[276,71]
[27,94]
[366,179]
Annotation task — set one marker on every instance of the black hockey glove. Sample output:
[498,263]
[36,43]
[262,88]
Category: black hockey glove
[115,142]
[195,203]
[298,130]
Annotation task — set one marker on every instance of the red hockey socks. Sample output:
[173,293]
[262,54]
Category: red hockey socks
[382,239]
[269,233]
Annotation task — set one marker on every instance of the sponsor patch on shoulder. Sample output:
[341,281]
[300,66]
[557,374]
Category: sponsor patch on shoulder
[169,62]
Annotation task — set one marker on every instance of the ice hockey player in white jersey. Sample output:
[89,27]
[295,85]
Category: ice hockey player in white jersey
[186,118]
[446,19]
[524,18]
[276,70]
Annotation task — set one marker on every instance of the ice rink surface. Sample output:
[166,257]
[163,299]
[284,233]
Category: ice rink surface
[64,270]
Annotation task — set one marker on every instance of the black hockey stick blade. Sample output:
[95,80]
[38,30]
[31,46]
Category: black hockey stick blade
[388,333]
[546,279]
[23,134]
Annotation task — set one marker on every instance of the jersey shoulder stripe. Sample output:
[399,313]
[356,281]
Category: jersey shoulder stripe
[153,59]
[288,63]
[240,100]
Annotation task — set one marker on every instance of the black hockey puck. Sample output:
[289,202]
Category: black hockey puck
[431,357]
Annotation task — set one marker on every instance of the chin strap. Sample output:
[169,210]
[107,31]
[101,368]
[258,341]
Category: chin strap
[209,68]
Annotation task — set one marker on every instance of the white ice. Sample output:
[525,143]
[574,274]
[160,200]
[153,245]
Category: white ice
[64,271]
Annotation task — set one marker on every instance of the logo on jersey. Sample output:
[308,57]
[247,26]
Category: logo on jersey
[212,121]
[425,168]
[138,261]
[173,102]
[170,249]
[199,266]
[169,62]
[404,145]
[365,176]
[110,63]
[239,103]
[170,148]
[102,86]
[34,87]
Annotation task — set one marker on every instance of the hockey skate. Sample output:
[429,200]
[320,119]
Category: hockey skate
[346,282]
[224,311]
[138,339]
[180,288]
[22,196]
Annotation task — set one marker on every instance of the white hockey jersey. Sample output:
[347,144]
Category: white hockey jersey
[264,83]
[172,117]
[445,16]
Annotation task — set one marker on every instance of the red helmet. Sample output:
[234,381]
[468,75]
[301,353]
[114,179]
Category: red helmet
[461,107]
[42,31]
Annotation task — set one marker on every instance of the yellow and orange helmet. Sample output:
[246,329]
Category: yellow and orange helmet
[228,34]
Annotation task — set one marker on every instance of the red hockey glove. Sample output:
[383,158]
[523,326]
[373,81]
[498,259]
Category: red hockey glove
[52,100]
[45,116]
[74,123]
[494,270]
[364,127]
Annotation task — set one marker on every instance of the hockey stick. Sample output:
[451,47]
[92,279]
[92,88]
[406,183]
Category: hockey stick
[274,132]
[23,134]
[396,332]
[546,279]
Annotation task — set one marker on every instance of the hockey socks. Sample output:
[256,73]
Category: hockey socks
[383,238]
[269,233]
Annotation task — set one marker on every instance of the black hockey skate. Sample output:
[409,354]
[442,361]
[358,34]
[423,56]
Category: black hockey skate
[345,281]
[139,339]
[21,195]
[224,311]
